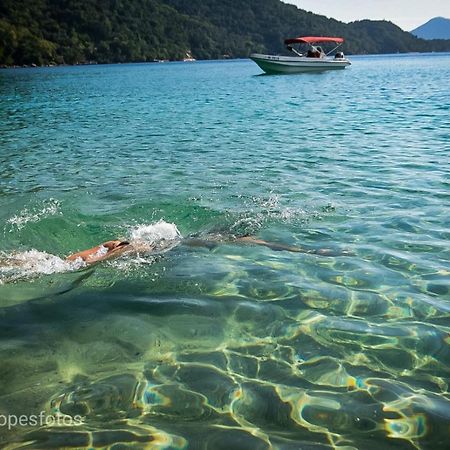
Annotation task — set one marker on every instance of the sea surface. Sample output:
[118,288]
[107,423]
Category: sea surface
[226,344]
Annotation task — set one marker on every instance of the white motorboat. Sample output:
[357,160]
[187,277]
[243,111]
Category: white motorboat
[315,58]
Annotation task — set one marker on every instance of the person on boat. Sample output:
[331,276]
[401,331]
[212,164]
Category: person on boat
[116,248]
[321,53]
[314,52]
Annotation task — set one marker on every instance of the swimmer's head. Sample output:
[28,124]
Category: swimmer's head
[112,245]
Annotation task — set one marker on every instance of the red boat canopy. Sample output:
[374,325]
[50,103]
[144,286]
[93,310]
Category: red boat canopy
[313,40]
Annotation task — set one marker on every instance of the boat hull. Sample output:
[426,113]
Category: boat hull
[286,64]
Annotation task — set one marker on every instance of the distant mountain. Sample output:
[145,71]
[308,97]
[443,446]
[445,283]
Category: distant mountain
[437,28]
[110,31]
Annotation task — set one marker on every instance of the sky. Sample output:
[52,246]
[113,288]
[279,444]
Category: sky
[407,14]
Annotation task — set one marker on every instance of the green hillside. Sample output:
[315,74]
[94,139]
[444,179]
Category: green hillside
[79,31]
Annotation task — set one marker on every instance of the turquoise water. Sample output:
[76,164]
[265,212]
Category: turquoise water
[230,345]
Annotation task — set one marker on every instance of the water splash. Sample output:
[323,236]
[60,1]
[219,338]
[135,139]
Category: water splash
[148,239]
[47,208]
[156,238]
[33,263]
[156,232]
[261,211]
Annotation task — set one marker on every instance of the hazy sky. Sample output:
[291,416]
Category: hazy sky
[407,14]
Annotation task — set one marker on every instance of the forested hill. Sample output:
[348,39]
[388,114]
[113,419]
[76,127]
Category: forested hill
[79,31]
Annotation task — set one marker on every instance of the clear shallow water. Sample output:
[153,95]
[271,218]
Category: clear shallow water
[233,346]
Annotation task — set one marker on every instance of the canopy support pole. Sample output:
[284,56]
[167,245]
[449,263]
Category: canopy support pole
[293,50]
[331,51]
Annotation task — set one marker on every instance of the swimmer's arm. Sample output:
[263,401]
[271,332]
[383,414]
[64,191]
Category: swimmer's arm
[84,254]
[94,255]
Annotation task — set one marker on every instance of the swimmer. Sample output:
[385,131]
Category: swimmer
[113,249]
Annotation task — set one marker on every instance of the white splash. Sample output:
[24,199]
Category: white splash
[32,263]
[102,251]
[49,208]
[158,234]
[148,240]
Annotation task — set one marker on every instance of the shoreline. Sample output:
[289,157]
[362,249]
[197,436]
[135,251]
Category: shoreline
[165,61]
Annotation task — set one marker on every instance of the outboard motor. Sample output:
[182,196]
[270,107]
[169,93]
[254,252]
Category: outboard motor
[339,55]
